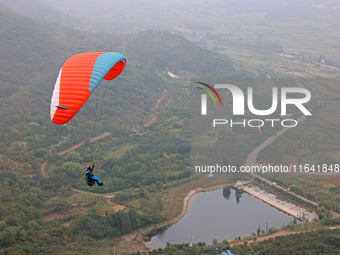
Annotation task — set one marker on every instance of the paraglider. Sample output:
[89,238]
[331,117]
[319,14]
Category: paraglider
[90,178]
[78,78]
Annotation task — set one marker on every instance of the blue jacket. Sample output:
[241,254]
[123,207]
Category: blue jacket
[89,174]
[89,171]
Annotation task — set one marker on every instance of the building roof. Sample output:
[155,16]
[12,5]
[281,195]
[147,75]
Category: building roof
[227,253]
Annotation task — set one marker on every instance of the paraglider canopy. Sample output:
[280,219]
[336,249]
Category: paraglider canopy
[78,78]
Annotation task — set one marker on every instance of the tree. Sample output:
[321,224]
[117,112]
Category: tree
[133,218]
[323,209]
[259,230]
[159,204]
[72,169]
[126,223]
[73,156]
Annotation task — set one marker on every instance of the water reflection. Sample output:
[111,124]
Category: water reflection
[214,215]
[238,194]
[226,193]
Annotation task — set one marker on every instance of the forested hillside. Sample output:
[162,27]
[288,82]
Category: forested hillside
[32,54]
[135,129]
[131,127]
[38,9]
[315,242]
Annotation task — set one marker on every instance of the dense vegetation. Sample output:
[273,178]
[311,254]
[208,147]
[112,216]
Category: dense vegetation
[315,242]
[143,148]
[23,227]
[181,249]
[135,128]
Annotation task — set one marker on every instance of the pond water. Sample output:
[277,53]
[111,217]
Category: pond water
[221,214]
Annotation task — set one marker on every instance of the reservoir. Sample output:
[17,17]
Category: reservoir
[223,215]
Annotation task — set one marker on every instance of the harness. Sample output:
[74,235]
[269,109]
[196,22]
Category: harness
[88,178]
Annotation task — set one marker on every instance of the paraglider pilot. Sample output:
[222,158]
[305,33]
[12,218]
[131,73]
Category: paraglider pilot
[90,178]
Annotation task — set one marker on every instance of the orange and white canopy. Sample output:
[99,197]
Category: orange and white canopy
[78,78]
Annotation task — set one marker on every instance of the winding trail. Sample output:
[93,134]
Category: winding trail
[278,233]
[251,161]
[74,147]
[154,114]
[94,193]
[78,145]
[42,169]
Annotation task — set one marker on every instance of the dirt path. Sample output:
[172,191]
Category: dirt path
[154,113]
[251,159]
[99,137]
[83,206]
[65,214]
[112,194]
[42,169]
[263,238]
[78,145]
[278,233]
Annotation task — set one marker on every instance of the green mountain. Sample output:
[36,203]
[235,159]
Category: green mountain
[33,52]
[38,10]
[140,114]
